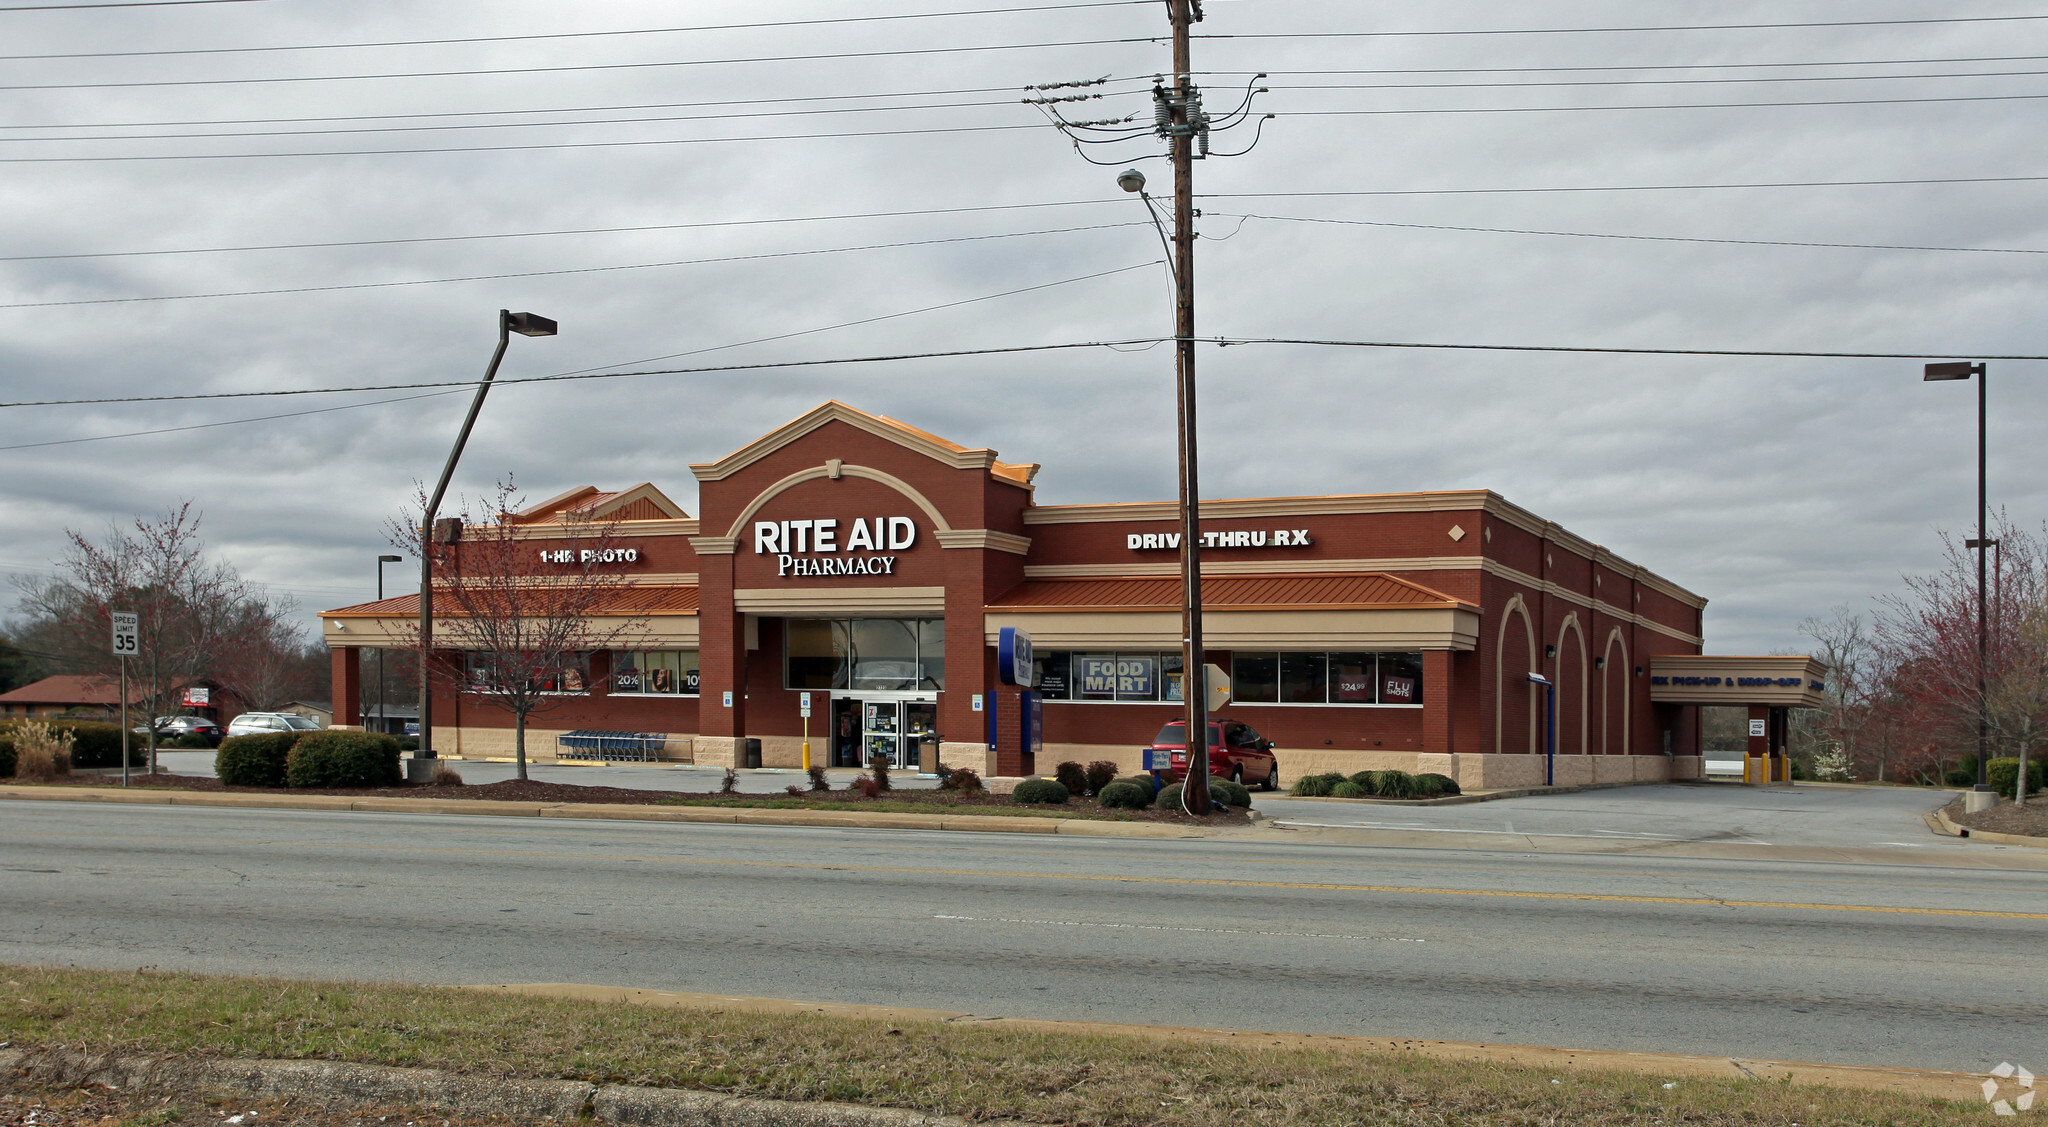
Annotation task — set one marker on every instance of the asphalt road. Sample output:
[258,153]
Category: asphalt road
[1916,965]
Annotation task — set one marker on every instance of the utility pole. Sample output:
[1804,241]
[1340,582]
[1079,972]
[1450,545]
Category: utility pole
[1185,108]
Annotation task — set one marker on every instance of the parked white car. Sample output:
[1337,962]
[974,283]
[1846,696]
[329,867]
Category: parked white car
[251,723]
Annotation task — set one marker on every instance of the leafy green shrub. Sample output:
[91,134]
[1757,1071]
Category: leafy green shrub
[1349,789]
[194,742]
[1168,798]
[332,758]
[1960,777]
[1312,786]
[2004,775]
[1145,782]
[6,754]
[1231,791]
[1124,795]
[408,743]
[1393,784]
[1041,792]
[1100,774]
[1444,783]
[1072,776]
[1364,782]
[99,745]
[254,761]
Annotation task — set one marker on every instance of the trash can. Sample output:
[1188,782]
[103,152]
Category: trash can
[753,753]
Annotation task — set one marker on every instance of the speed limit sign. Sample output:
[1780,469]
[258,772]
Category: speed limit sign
[127,633]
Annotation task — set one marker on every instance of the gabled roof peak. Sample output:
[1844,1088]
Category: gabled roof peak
[588,503]
[881,426]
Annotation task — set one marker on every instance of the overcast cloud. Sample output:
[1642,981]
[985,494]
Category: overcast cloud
[1775,487]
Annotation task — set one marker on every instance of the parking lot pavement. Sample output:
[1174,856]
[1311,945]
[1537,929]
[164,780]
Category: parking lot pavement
[633,776]
[1823,816]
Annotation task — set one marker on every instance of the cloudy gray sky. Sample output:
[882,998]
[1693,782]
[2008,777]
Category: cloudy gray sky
[137,143]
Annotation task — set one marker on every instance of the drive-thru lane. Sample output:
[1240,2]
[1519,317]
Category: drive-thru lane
[1923,966]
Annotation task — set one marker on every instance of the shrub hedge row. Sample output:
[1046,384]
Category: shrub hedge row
[96,744]
[1041,792]
[330,758]
[254,761]
[1370,784]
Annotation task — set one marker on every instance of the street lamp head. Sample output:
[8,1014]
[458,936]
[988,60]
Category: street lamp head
[1952,370]
[389,559]
[1538,679]
[529,324]
[1131,180]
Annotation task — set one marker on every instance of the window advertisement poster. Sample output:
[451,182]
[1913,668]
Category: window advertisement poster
[1395,689]
[1124,676]
[197,696]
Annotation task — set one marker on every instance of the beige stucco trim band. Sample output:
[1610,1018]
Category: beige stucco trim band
[818,601]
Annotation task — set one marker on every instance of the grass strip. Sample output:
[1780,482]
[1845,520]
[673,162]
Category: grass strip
[953,1069]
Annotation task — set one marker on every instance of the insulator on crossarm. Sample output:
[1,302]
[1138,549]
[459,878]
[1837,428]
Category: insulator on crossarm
[1162,112]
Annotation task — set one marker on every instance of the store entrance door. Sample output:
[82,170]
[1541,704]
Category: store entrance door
[896,729]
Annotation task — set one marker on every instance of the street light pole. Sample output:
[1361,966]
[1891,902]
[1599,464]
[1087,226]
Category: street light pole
[381,561]
[525,324]
[1963,370]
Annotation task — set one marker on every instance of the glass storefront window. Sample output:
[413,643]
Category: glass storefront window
[1053,673]
[1169,676]
[874,654]
[1353,678]
[1255,678]
[1302,677]
[661,672]
[1345,677]
[481,673]
[1401,678]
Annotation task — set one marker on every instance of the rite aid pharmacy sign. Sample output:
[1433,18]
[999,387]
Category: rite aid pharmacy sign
[824,547]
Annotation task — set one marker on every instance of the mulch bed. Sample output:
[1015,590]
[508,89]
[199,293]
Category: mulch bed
[533,790]
[2006,818]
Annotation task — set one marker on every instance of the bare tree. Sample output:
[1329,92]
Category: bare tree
[1843,642]
[158,569]
[262,655]
[526,612]
[1927,637]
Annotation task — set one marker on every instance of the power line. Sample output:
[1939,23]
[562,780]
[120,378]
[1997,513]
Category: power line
[1241,74]
[121,4]
[896,53]
[522,148]
[1615,350]
[1618,30]
[1667,106]
[567,270]
[1917,181]
[514,124]
[1654,81]
[559,34]
[1632,238]
[542,110]
[640,229]
[580,372]
[457,387]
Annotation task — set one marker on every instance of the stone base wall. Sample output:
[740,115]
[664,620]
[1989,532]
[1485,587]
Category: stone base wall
[1473,772]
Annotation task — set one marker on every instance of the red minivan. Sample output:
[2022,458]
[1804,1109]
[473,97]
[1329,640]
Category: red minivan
[1236,752]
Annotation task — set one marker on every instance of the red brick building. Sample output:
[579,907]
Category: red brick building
[872,564]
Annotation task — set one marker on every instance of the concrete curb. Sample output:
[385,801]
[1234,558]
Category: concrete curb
[626,812]
[337,1082]
[1469,796]
[1954,829]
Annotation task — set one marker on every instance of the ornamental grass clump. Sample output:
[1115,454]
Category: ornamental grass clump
[41,752]
[1040,792]
[1393,784]
[1312,786]
[1444,783]
[1349,789]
